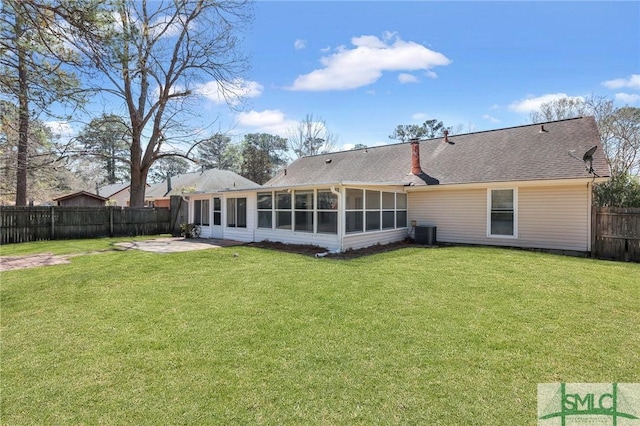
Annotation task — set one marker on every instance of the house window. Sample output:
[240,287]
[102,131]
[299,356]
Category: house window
[265,210]
[303,211]
[354,210]
[201,212]
[502,212]
[283,210]
[217,211]
[237,212]
[327,212]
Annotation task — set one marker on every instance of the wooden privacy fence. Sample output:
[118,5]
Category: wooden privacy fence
[616,233]
[23,224]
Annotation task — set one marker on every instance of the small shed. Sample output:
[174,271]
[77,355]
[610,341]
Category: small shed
[82,199]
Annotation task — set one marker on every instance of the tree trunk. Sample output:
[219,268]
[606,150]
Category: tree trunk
[138,173]
[23,120]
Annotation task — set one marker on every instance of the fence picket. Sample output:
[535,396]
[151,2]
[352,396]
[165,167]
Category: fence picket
[616,233]
[23,224]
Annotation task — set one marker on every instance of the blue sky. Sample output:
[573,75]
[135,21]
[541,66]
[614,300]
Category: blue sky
[365,67]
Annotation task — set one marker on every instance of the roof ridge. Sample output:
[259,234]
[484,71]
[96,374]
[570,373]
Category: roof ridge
[452,136]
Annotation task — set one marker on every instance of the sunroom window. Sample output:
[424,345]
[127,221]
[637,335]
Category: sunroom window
[265,212]
[327,212]
[201,212]
[303,211]
[283,210]
[373,210]
[354,210]
[237,212]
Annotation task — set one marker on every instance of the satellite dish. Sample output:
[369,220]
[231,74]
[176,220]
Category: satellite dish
[588,156]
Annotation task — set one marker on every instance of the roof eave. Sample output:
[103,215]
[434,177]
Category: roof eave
[509,183]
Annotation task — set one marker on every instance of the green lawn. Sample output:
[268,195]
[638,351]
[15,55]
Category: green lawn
[413,336]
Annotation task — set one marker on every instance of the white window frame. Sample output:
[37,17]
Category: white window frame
[205,216]
[515,212]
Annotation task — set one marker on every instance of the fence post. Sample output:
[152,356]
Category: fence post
[594,229]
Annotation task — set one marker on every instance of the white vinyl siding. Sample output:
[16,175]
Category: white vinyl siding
[551,217]
[555,218]
[460,216]
[356,241]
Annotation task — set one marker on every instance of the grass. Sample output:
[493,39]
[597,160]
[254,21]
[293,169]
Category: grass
[414,336]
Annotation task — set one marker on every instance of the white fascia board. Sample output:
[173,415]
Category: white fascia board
[511,184]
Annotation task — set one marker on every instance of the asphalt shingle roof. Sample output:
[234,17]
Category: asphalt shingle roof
[114,188]
[513,154]
[211,180]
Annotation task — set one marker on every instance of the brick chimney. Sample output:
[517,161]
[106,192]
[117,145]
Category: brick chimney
[415,157]
[446,136]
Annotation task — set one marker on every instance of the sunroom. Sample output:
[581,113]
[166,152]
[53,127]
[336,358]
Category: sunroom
[336,217]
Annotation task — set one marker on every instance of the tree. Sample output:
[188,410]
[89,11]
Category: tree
[311,137]
[619,128]
[155,57]
[214,152]
[619,191]
[359,146]
[559,109]
[168,166]
[46,173]
[620,135]
[428,130]
[106,138]
[262,154]
[32,72]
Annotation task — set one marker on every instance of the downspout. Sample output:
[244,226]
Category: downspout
[590,218]
[340,214]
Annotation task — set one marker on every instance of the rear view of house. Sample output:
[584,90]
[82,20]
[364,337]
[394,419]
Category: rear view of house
[527,186]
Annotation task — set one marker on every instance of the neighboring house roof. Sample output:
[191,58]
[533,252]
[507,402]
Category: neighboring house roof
[79,194]
[114,188]
[531,152]
[211,180]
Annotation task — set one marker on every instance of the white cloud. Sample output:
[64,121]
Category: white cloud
[269,121]
[60,128]
[491,118]
[364,64]
[169,25]
[419,116]
[325,49]
[633,82]
[431,74]
[407,78]
[213,91]
[628,98]
[299,44]
[531,103]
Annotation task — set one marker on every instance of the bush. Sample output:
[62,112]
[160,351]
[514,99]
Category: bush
[619,191]
[189,230]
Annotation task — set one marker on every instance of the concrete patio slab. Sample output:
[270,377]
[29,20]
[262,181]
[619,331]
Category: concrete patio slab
[177,244]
